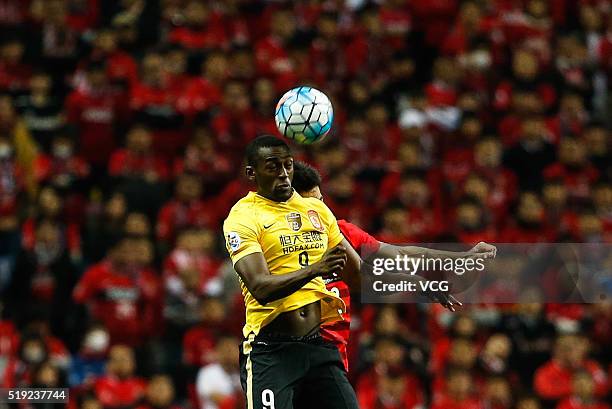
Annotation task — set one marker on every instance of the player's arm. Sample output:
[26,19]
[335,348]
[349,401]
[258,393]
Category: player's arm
[482,250]
[267,287]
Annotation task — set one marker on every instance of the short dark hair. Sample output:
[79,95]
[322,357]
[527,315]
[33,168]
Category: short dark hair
[263,141]
[305,177]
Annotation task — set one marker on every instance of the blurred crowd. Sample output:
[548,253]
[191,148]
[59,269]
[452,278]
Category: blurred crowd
[122,129]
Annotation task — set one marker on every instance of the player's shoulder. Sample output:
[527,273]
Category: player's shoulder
[313,203]
[245,206]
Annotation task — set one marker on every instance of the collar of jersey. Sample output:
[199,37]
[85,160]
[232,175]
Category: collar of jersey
[265,199]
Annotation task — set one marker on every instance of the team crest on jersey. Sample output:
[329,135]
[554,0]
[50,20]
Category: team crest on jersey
[295,221]
[313,216]
[233,240]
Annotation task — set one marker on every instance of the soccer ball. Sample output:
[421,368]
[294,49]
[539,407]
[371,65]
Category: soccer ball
[304,114]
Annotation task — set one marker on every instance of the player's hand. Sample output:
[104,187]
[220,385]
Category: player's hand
[332,263]
[483,250]
[444,298]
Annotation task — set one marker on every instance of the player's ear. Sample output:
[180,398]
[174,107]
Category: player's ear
[250,172]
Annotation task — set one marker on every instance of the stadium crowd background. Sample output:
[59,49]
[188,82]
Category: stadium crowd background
[122,125]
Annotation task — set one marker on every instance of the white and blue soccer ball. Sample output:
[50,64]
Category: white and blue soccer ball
[304,115]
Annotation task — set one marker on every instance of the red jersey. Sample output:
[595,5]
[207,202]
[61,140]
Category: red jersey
[176,215]
[114,392]
[338,332]
[553,381]
[199,346]
[129,305]
[94,112]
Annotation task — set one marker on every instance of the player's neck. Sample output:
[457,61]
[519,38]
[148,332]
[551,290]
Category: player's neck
[274,199]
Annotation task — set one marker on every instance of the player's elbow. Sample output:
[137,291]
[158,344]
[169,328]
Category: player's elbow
[262,297]
[260,292]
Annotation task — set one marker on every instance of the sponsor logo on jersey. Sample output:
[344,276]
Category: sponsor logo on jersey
[313,216]
[233,240]
[295,221]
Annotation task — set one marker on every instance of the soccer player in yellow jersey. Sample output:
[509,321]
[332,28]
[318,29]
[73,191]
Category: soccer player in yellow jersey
[282,246]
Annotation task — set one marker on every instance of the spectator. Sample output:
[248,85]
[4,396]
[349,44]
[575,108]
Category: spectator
[159,394]
[186,209]
[203,157]
[199,341]
[11,195]
[392,391]
[531,155]
[498,393]
[41,110]
[139,172]
[19,369]
[14,71]
[553,380]
[495,355]
[596,137]
[121,68]
[583,395]
[459,394]
[131,304]
[46,277]
[472,223]
[106,227]
[528,402]
[13,127]
[154,102]
[88,364]
[529,226]
[573,169]
[190,273]
[93,110]
[119,387]
[204,92]
[219,382]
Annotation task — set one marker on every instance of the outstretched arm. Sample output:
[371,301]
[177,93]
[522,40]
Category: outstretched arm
[353,272]
[267,287]
[482,250]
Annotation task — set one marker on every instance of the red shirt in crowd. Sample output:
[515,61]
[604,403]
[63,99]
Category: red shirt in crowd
[369,397]
[126,163]
[47,167]
[553,381]
[175,215]
[198,95]
[161,104]
[113,392]
[446,402]
[199,346]
[213,35]
[71,234]
[95,113]
[128,304]
[577,181]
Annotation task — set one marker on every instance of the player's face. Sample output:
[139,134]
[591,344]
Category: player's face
[314,192]
[274,173]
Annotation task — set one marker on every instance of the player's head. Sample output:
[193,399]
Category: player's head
[306,180]
[270,166]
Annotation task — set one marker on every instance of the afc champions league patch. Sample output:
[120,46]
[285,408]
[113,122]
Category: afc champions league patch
[313,216]
[233,240]
[295,221]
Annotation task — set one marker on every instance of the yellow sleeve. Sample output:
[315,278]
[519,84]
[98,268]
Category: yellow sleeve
[334,236]
[241,238]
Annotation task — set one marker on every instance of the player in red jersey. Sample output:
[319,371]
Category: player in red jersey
[307,182]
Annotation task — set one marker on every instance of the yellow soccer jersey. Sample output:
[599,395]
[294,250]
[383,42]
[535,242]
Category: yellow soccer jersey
[291,235]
